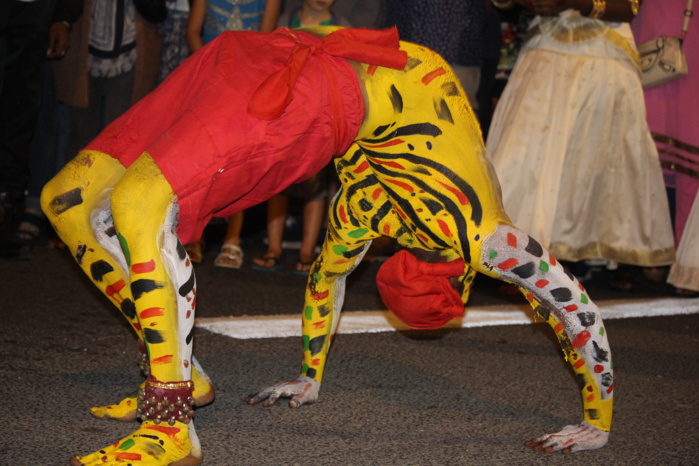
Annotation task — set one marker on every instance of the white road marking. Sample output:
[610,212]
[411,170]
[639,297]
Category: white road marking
[280,326]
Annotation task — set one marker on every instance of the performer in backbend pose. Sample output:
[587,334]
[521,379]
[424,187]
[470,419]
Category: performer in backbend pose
[218,137]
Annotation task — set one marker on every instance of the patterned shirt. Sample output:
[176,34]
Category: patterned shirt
[112,38]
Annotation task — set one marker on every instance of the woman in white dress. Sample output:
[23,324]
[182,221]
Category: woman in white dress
[569,140]
[673,113]
[684,274]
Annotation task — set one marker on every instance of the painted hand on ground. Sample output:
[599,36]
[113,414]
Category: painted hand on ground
[302,391]
[571,439]
[150,445]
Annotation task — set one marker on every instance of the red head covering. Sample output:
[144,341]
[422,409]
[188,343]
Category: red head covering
[419,293]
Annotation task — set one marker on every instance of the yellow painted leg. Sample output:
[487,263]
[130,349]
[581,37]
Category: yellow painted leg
[142,205]
[144,210]
[77,202]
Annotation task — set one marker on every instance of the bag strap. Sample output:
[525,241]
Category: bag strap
[687,16]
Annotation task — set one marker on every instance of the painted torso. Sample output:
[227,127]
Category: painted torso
[426,161]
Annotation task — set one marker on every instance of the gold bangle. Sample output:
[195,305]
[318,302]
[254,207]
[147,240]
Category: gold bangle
[634,6]
[170,385]
[598,7]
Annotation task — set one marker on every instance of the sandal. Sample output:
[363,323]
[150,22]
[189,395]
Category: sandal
[266,263]
[303,267]
[230,257]
[29,230]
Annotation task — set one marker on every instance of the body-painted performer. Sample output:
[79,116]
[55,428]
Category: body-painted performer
[411,161]
[417,172]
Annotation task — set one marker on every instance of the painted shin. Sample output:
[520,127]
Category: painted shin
[563,302]
[140,266]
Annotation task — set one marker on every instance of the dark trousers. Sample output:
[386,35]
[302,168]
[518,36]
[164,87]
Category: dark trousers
[24,30]
[108,99]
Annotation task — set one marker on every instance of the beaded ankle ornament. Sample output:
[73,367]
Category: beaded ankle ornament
[166,402]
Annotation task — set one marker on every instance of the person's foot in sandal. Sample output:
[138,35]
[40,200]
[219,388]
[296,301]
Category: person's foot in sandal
[303,267]
[31,227]
[267,263]
[305,261]
[685,293]
[656,274]
[622,279]
[230,257]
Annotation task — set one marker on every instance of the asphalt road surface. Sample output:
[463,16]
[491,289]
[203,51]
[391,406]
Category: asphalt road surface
[453,397]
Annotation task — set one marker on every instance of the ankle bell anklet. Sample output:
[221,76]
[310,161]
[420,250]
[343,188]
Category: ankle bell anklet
[166,402]
[142,359]
[143,364]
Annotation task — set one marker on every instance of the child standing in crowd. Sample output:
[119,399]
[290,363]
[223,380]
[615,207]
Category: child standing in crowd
[312,13]
[314,191]
[208,19]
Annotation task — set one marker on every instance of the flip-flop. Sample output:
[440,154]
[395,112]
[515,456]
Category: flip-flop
[302,264]
[276,265]
[232,253]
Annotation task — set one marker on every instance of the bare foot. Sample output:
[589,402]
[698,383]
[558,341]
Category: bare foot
[150,445]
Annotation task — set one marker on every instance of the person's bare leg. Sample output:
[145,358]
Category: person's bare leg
[313,213]
[276,217]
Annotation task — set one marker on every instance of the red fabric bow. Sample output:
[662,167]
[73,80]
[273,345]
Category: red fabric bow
[420,293]
[374,47]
